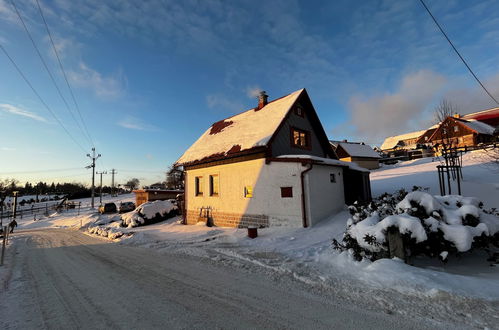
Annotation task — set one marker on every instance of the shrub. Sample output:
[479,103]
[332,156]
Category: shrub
[429,225]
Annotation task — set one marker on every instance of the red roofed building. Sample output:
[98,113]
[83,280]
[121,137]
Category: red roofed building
[268,166]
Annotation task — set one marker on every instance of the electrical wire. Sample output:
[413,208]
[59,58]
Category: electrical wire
[39,97]
[64,73]
[47,68]
[457,52]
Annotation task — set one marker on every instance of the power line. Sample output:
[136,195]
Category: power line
[457,52]
[46,66]
[64,73]
[39,97]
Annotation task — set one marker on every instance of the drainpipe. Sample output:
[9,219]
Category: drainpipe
[303,204]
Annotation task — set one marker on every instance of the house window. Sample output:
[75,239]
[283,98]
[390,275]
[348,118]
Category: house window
[286,192]
[199,185]
[214,185]
[300,138]
[426,138]
[248,192]
[332,177]
[456,128]
[299,111]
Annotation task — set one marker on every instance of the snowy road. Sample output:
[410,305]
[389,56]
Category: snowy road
[65,279]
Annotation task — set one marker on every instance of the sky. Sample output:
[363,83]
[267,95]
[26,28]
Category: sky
[149,77]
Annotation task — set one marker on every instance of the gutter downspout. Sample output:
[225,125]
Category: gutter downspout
[303,204]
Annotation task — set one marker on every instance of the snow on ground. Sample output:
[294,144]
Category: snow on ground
[481,177]
[468,284]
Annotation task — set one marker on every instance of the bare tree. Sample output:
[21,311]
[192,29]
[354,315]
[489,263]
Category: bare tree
[443,110]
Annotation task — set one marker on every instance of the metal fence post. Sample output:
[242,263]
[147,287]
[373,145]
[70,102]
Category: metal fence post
[3,244]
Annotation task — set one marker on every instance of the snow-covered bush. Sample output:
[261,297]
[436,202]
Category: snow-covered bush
[147,213]
[110,233]
[431,225]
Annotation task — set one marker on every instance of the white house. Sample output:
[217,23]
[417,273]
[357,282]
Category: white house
[271,165]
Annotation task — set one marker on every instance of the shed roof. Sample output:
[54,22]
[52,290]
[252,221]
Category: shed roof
[359,150]
[245,131]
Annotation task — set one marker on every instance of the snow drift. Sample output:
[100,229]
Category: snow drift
[149,212]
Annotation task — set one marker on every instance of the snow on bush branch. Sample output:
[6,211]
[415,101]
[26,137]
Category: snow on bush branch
[429,225]
[148,213]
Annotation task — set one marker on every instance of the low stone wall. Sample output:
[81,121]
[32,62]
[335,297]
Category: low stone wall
[225,219]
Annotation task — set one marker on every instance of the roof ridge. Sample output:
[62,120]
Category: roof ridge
[252,109]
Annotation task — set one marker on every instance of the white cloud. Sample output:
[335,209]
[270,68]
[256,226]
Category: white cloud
[135,123]
[473,98]
[253,92]
[379,116]
[106,87]
[12,109]
[7,149]
[218,101]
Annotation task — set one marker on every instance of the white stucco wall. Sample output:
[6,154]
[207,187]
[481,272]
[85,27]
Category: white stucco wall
[323,197]
[266,180]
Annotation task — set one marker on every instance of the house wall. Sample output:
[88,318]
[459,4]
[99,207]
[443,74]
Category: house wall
[323,197]
[369,163]
[232,209]
[282,142]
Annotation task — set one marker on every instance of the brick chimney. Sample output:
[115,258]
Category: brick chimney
[262,100]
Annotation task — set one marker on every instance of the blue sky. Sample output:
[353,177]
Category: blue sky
[151,76]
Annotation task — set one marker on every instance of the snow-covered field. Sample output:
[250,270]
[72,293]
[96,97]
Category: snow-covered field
[464,291]
[481,177]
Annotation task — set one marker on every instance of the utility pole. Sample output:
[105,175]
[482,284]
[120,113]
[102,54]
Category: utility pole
[100,195]
[113,172]
[92,166]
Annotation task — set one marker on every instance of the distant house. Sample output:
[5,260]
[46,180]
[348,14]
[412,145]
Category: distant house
[406,141]
[357,152]
[489,117]
[157,185]
[268,166]
[458,133]
[148,195]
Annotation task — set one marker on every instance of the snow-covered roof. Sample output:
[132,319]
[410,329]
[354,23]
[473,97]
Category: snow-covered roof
[478,126]
[392,141]
[359,150]
[247,130]
[494,112]
[327,161]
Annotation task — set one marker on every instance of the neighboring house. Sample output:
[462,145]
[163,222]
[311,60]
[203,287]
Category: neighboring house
[157,185]
[489,117]
[456,132]
[402,142]
[268,166]
[149,195]
[357,152]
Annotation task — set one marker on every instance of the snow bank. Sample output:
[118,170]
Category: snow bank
[147,211]
[459,220]
[372,226]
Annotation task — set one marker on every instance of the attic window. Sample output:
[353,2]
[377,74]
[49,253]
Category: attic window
[299,111]
[456,128]
[300,138]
